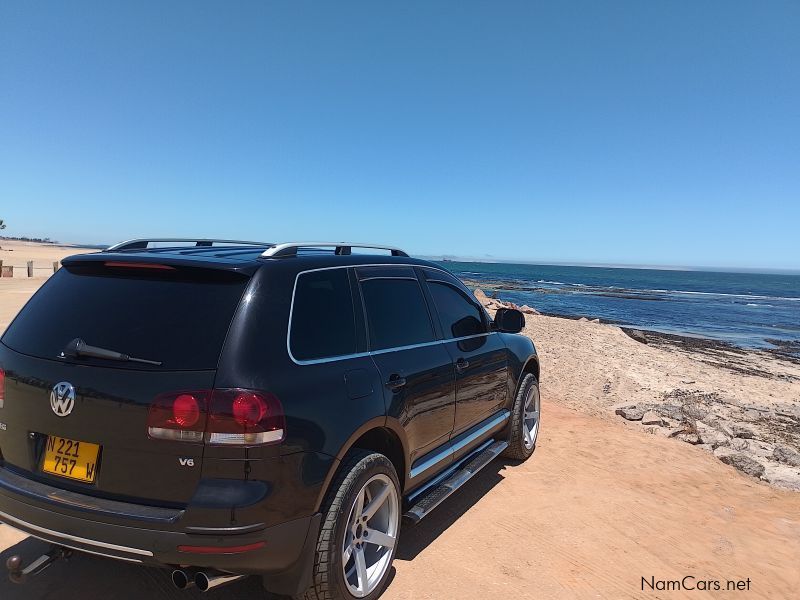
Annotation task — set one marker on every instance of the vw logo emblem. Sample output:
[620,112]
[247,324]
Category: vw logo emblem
[62,398]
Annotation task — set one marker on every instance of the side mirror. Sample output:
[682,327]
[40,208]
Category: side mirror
[509,320]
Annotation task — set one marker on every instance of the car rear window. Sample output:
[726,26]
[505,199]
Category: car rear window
[179,317]
[323,322]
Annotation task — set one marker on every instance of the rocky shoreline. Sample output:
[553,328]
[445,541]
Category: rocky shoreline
[743,406]
[759,441]
[786,349]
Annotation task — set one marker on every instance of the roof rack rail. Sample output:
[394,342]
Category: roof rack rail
[143,243]
[340,248]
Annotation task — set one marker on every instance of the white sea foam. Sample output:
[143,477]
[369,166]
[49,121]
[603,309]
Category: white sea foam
[746,296]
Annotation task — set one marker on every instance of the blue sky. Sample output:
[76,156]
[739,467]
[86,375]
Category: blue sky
[617,132]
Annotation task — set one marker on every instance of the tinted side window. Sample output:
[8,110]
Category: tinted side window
[396,312]
[459,316]
[323,324]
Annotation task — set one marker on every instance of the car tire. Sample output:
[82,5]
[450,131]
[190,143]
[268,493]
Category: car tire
[363,477]
[524,420]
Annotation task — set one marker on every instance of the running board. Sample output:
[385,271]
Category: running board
[432,497]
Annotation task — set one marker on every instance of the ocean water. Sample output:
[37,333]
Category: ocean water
[745,309]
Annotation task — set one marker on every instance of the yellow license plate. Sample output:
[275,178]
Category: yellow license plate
[71,459]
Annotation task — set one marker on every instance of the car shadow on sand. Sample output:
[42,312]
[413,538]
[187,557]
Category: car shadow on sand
[87,577]
[415,538]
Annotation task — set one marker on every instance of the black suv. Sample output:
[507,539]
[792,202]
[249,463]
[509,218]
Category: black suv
[230,408]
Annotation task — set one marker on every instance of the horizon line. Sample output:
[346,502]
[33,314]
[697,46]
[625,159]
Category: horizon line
[441,257]
[612,265]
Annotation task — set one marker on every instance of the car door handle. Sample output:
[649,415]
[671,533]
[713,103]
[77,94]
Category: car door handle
[395,382]
[462,365]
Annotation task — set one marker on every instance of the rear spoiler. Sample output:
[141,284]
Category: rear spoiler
[159,262]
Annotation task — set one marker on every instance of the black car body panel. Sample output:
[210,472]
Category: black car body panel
[423,404]
[118,401]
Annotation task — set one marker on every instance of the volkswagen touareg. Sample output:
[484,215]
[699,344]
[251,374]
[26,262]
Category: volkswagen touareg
[226,408]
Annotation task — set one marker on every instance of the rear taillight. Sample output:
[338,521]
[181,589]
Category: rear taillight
[238,416]
[225,417]
[179,416]
[186,411]
[2,387]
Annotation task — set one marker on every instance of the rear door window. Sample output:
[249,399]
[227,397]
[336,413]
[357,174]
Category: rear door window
[397,314]
[323,321]
[179,317]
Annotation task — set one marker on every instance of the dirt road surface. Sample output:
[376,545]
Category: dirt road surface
[597,508]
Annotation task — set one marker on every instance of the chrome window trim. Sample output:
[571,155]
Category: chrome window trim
[452,449]
[329,359]
[72,538]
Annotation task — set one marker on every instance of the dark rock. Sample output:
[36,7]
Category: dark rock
[636,334]
[741,431]
[631,413]
[744,463]
[793,412]
[752,415]
[689,438]
[786,454]
[739,444]
[714,438]
[671,411]
[652,418]
[718,423]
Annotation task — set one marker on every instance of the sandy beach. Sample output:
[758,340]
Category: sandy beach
[17,254]
[656,461]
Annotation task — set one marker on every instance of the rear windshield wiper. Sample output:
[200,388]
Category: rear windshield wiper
[78,347]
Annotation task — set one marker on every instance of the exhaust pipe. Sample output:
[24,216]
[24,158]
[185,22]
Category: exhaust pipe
[213,579]
[183,579]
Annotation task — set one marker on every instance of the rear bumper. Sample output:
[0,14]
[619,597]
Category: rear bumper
[284,557]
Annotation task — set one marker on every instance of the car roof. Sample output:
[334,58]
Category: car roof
[244,259]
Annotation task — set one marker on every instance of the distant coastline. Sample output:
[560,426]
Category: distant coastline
[593,265]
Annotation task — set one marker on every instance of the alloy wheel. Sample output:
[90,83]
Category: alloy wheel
[371,535]
[530,419]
